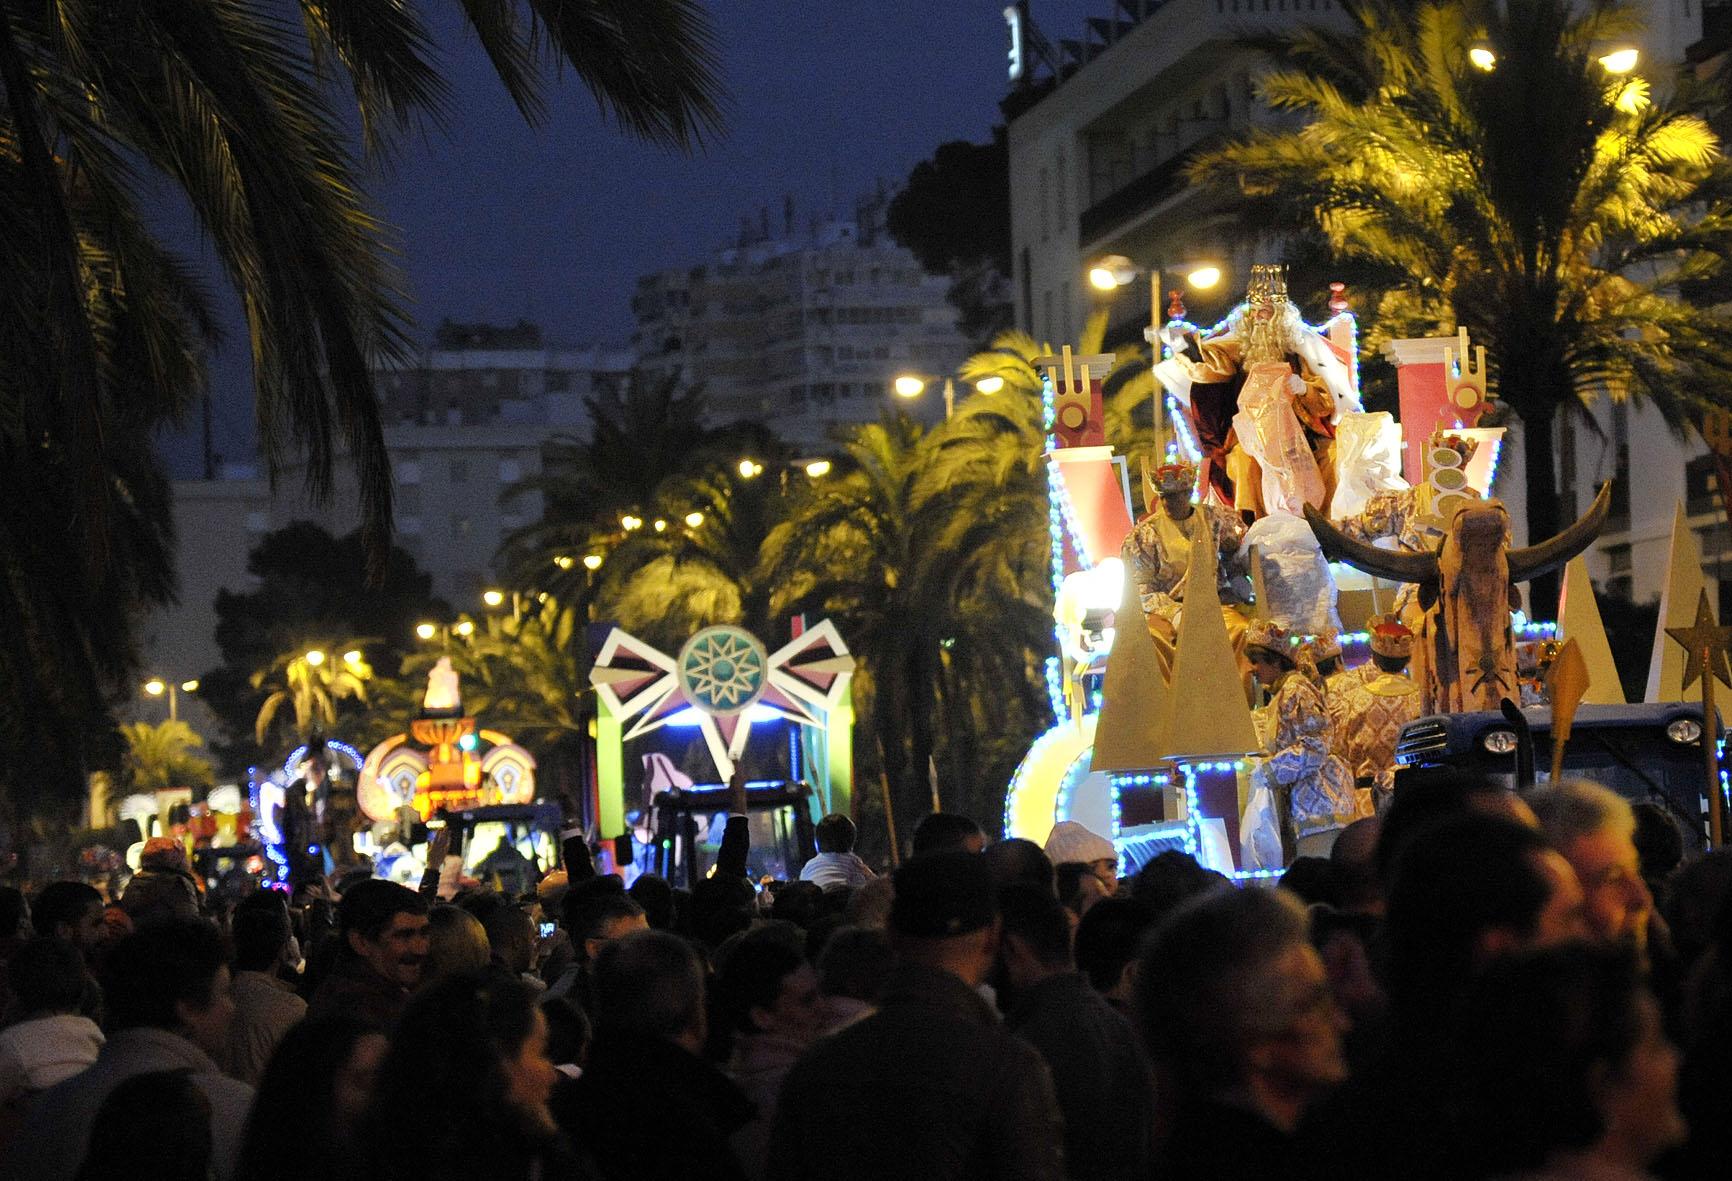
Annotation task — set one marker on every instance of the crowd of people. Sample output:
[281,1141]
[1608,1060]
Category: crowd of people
[1472,984]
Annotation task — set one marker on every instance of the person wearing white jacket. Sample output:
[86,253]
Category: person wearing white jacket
[51,1042]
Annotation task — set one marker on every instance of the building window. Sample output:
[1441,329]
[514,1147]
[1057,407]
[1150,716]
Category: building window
[459,471]
[257,522]
[1619,558]
[409,498]
[407,471]
[510,471]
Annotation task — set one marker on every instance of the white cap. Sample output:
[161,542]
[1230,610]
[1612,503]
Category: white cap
[1070,841]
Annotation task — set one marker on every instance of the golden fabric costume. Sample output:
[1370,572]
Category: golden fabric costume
[1317,788]
[1368,714]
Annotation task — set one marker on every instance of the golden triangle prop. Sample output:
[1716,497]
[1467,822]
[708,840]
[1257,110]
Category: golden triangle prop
[1707,644]
[1684,582]
[1134,694]
[1567,680]
[1579,621]
[1209,718]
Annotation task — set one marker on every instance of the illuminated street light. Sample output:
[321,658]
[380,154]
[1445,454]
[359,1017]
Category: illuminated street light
[426,630]
[592,561]
[1621,61]
[750,469]
[661,525]
[629,522]
[496,598]
[189,686]
[909,386]
[155,686]
[1103,278]
[694,519]
[990,385]
[818,468]
[315,657]
[1204,277]
[1482,58]
[464,628]
[564,561]
[353,658]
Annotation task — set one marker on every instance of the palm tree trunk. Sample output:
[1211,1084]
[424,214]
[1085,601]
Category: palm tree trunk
[1542,498]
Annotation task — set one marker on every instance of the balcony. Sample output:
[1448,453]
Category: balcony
[1160,183]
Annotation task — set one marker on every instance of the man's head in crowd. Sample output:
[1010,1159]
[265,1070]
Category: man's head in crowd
[836,834]
[1035,935]
[1107,939]
[386,926]
[939,831]
[47,976]
[855,963]
[1353,860]
[261,936]
[765,987]
[1567,1062]
[1595,830]
[1468,890]
[651,984]
[1018,859]
[1433,794]
[172,976]
[71,911]
[1172,877]
[1236,1007]
[944,916]
[511,937]
[597,912]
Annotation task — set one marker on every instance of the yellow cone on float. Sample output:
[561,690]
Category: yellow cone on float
[1684,585]
[1133,695]
[1209,717]
[1579,620]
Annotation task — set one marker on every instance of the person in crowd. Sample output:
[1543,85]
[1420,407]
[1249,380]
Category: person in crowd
[306,1119]
[14,932]
[456,944]
[800,904]
[1073,843]
[48,1041]
[836,866]
[167,993]
[1353,862]
[1659,845]
[568,1036]
[938,831]
[1169,878]
[595,913]
[1107,940]
[869,906]
[931,1084]
[768,995]
[1466,891]
[72,911]
[382,928]
[1243,1032]
[1567,1070]
[1103,1081]
[467,1074]
[653,893]
[266,1006]
[1077,886]
[163,889]
[1430,796]
[1018,859]
[154,1126]
[1311,880]
[510,936]
[648,1105]
[852,970]
[1595,830]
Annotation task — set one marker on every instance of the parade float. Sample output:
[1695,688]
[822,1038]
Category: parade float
[788,712]
[1355,566]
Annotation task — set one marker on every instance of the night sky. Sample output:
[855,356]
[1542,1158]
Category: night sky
[498,221]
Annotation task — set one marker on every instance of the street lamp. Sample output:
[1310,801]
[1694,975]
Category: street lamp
[818,468]
[592,562]
[1615,57]
[912,385]
[157,686]
[750,469]
[1116,271]
[496,598]
[694,520]
[315,657]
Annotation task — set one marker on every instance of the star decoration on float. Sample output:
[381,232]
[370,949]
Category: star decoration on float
[721,681]
[722,670]
[1706,644]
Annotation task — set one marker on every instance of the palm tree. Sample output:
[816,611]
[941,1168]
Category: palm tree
[161,756]
[1551,207]
[311,682]
[232,108]
[932,560]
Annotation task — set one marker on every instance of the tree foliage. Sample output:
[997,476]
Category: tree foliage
[1552,208]
[163,756]
[954,215]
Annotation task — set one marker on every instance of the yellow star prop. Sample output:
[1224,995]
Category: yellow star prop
[1704,640]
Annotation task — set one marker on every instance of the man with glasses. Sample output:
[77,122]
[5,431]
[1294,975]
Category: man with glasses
[1595,830]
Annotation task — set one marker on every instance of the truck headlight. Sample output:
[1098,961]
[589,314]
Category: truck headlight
[1500,742]
[1684,731]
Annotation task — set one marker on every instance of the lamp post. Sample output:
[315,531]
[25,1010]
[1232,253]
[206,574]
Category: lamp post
[912,385]
[427,629]
[158,686]
[1116,271]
